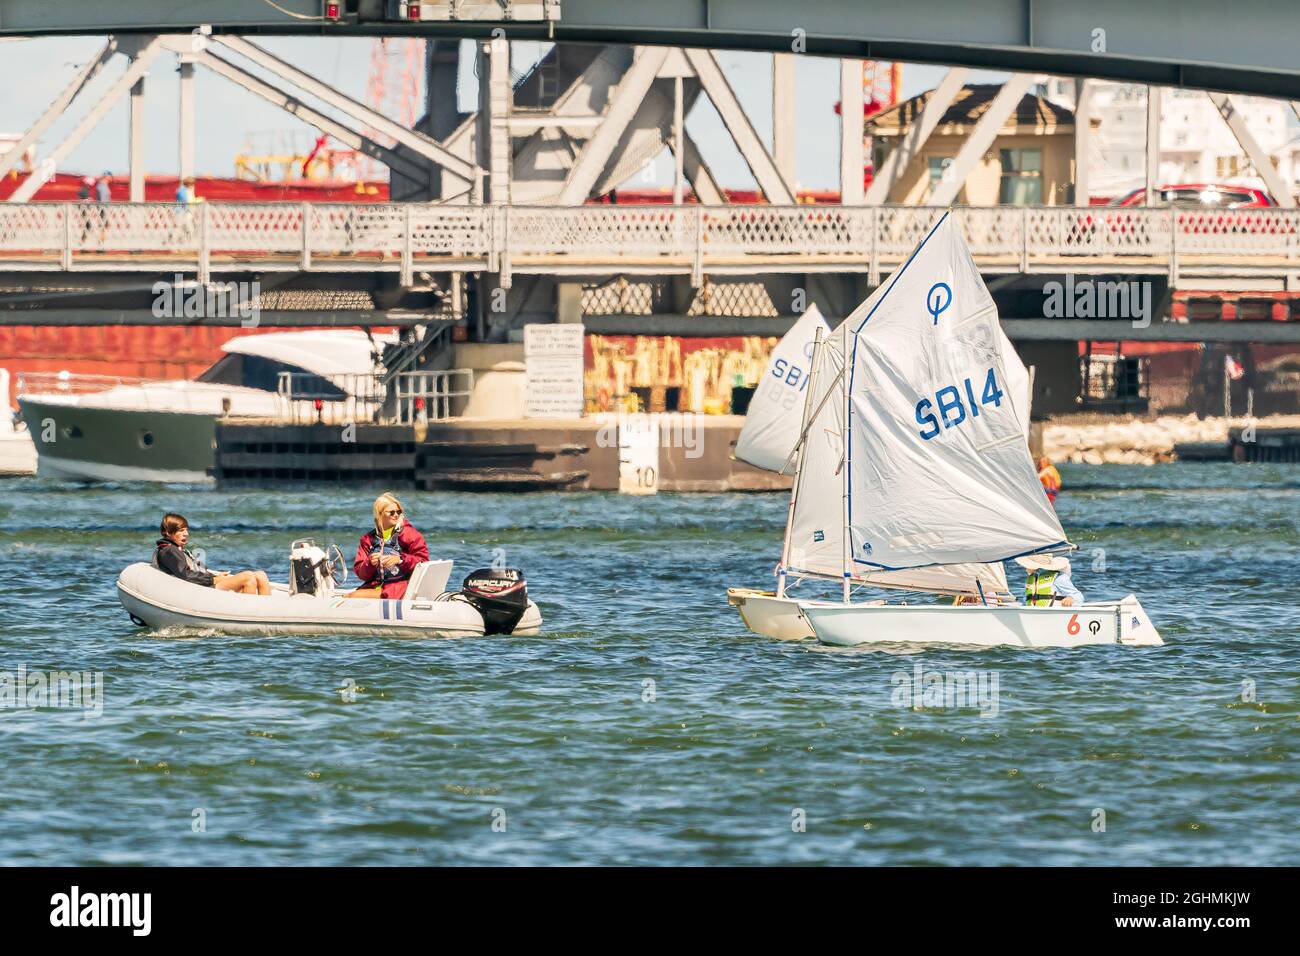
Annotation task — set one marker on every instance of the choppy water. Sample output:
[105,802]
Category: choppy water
[744,737]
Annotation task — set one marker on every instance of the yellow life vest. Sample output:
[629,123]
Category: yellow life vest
[1038,588]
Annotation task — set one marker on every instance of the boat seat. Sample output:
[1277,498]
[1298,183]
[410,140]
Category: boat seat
[428,580]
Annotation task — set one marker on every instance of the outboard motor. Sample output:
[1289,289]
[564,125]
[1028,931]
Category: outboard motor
[309,570]
[501,596]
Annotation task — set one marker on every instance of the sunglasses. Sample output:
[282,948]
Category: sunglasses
[393,512]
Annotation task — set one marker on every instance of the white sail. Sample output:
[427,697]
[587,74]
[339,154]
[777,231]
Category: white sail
[776,408]
[816,524]
[938,468]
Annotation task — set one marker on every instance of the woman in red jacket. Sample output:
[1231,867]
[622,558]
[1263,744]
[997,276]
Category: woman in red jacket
[387,556]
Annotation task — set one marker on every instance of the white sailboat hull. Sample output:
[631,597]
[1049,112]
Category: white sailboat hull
[849,625]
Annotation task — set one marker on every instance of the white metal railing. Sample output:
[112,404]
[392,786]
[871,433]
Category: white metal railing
[611,238]
[409,398]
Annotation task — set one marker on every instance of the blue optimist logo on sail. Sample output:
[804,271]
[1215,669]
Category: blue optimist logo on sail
[938,299]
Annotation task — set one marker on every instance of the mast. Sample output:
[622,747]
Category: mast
[798,467]
[846,538]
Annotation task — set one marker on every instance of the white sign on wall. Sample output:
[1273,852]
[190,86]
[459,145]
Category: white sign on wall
[638,454]
[553,359]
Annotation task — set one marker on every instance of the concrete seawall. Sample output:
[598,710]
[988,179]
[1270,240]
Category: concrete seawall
[483,455]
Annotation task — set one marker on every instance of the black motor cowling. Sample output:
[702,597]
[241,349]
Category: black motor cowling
[500,595]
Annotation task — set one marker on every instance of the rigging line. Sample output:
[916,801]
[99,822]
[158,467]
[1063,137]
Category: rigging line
[290,13]
[804,434]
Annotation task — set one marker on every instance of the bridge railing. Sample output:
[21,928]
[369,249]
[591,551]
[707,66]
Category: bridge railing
[598,239]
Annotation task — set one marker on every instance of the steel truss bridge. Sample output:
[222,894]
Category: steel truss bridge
[1160,42]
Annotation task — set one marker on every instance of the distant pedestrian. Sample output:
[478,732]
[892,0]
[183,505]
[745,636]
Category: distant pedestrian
[1050,477]
[103,192]
[182,193]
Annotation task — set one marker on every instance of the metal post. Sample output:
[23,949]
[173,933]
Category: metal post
[408,264]
[67,211]
[305,261]
[1173,247]
[873,267]
[679,146]
[137,141]
[852,160]
[846,544]
[1152,143]
[697,269]
[783,108]
[1024,239]
[205,248]
[187,119]
[506,279]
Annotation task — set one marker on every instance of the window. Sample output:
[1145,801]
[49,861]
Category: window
[940,170]
[1022,177]
[1228,166]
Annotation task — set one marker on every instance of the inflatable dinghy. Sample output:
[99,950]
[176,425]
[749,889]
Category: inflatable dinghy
[491,601]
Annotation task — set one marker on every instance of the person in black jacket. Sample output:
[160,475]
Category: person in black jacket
[172,558]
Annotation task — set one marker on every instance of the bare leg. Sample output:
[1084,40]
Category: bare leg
[373,593]
[242,583]
[263,583]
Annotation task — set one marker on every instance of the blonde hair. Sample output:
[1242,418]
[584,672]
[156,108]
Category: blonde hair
[386,498]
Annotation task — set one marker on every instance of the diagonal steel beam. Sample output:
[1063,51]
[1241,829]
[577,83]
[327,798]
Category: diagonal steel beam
[138,67]
[980,138]
[277,97]
[424,145]
[751,147]
[891,170]
[61,102]
[1258,157]
[701,178]
[623,105]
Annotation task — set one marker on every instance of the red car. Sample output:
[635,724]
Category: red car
[1201,196]
[1204,209]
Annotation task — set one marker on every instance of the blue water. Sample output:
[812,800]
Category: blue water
[744,750]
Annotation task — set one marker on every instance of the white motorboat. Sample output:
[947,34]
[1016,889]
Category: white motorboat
[913,474]
[96,428]
[314,603]
[17,452]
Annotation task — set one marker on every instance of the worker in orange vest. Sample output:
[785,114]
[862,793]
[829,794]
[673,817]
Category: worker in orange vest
[1050,477]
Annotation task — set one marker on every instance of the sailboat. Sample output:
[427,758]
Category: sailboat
[913,473]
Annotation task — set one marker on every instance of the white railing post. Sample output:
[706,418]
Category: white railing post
[67,236]
[873,262]
[505,246]
[408,262]
[305,261]
[205,250]
[697,266]
[1024,239]
[1173,247]
[488,229]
